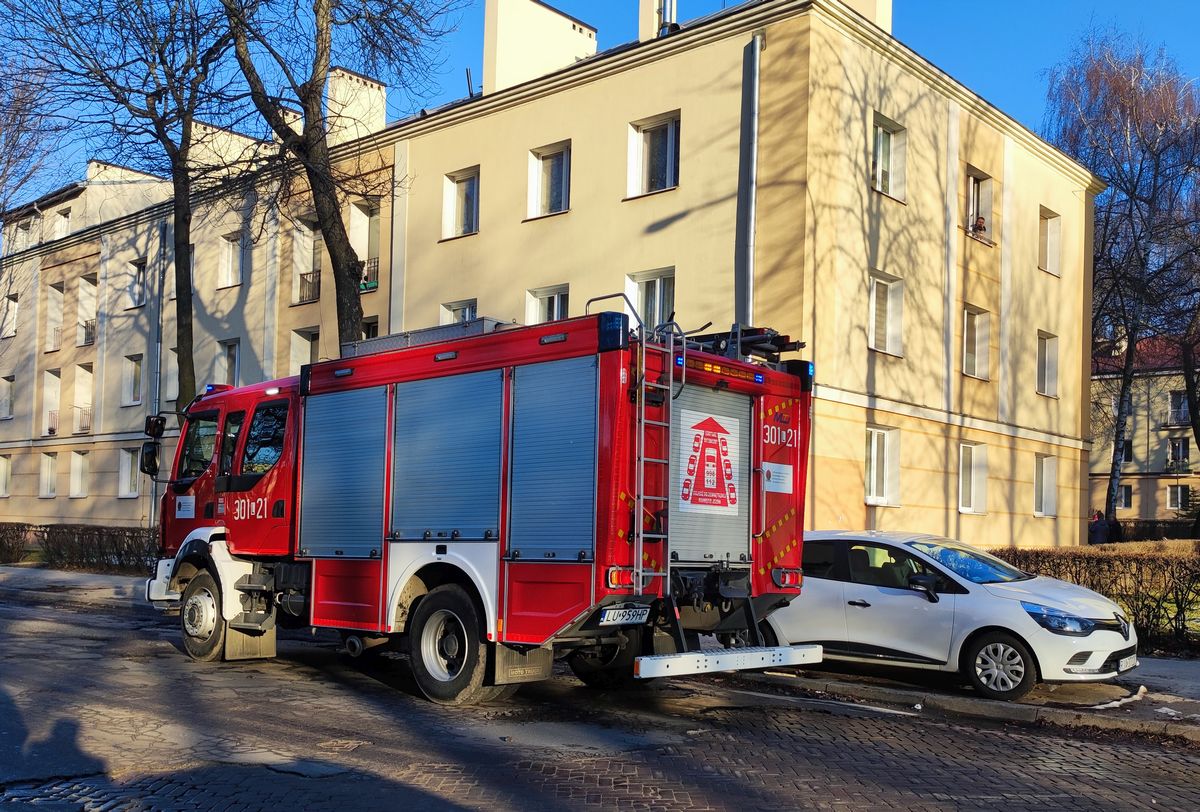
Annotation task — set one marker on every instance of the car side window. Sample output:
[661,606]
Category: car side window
[264,439]
[818,559]
[233,427]
[198,445]
[880,565]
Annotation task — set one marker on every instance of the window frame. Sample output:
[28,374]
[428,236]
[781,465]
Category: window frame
[1124,499]
[48,475]
[5,476]
[450,311]
[8,317]
[1046,380]
[234,376]
[980,203]
[539,205]
[1179,497]
[555,298]
[1045,486]
[655,280]
[1049,241]
[882,441]
[455,207]
[138,282]
[230,268]
[128,482]
[974,502]
[133,380]
[983,335]
[893,313]
[80,471]
[887,171]
[639,174]
[8,388]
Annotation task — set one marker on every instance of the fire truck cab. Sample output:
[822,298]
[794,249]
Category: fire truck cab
[490,497]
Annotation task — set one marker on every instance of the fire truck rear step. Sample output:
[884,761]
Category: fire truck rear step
[734,659]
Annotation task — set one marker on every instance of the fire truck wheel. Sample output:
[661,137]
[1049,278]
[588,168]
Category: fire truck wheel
[496,693]
[610,667]
[448,658]
[200,618]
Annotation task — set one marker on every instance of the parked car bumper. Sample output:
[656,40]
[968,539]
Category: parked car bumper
[1099,656]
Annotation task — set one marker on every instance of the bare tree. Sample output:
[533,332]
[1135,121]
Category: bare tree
[27,136]
[1130,116]
[285,52]
[136,76]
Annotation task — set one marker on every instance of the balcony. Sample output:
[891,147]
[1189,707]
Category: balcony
[87,333]
[51,423]
[310,287]
[83,419]
[1177,417]
[54,339]
[370,275]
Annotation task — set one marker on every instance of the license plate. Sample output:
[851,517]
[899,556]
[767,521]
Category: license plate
[1127,663]
[624,617]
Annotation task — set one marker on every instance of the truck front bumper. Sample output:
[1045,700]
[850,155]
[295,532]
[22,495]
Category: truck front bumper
[733,659]
[158,588]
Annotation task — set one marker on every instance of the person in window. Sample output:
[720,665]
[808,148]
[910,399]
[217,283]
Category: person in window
[979,227]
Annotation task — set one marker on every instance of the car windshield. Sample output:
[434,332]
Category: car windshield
[976,566]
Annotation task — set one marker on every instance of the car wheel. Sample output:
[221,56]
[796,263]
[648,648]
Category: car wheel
[999,666]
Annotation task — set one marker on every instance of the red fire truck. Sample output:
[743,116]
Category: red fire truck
[491,502]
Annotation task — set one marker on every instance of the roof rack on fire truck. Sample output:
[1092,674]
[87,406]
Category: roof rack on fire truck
[742,341]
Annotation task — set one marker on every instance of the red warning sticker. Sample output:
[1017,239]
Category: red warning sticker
[708,453]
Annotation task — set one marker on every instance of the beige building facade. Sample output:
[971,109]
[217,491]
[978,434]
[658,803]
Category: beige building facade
[789,164]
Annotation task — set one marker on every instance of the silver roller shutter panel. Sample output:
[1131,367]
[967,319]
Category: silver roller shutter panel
[553,493]
[345,446]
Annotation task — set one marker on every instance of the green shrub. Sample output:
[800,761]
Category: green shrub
[1156,583]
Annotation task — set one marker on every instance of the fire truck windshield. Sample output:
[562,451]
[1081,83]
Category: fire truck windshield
[198,445]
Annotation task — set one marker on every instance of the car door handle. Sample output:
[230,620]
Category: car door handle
[862,604]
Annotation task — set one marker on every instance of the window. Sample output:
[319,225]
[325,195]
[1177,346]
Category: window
[460,206]
[1124,497]
[5,475]
[654,155]
[79,474]
[459,312]
[23,237]
[972,478]
[1113,400]
[1179,497]
[7,389]
[48,477]
[1049,241]
[979,205]
[886,303]
[198,444]
[85,332]
[546,304]
[888,157]
[83,398]
[137,283]
[976,337]
[229,273]
[818,559]
[233,428]
[51,396]
[1045,485]
[883,469]
[230,369]
[1047,364]
[1178,449]
[1127,450]
[8,317]
[880,565]
[264,441]
[127,487]
[656,299]
[171,385]
[550,180]
[370,328]
[305,348]
[62,223]
[54,316]
[307,247]
[1179,415]
[131,381]
[364,232]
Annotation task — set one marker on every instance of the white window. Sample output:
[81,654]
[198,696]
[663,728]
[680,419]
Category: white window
[131,381]
[1124,497]
[1047,364]
[229,273]
[886,314]
[979,205]
[79,474]
[458,312]
[24,236]
[127,487]
[54,316]
[171,384]
[1178,415]
[883,466]
[888,157]
[48,478]
[460,203]
[550,179]
[7,391]
[5,475]
[1045,485]
[85,332]
[62,223]
[8,316]
[1178,450]
[1049,241]
[654,154]
[137,283]
[656,298]
[230,364]
[305,348]
[307,247]
[1179,497]
[546,304]
[976,337]
[972,478]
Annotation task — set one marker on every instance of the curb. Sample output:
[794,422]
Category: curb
[988,708]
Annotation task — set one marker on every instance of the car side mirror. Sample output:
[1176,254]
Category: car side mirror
[148,459]
[156,424]
[925,583]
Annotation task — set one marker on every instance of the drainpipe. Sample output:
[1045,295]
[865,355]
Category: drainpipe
[747,203]
[158,343]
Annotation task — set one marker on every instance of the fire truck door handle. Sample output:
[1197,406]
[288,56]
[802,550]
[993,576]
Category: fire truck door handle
[761,507]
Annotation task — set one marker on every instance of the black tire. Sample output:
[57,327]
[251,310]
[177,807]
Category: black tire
[999,666]
[769,638]
[496,693]
[448,656]
[200,619]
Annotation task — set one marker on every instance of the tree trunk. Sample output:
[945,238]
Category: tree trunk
[181,185]
[1124,405]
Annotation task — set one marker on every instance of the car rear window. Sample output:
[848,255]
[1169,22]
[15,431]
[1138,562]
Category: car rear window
[817,559]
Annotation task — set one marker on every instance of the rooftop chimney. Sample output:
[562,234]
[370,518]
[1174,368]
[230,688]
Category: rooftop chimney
[656,18]
[877,11]
[525,39]
[355,106]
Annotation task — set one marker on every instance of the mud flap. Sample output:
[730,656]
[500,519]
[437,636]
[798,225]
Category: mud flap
[242,646]
[513,666]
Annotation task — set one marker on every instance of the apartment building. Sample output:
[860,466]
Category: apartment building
[784,163]
[1158,482]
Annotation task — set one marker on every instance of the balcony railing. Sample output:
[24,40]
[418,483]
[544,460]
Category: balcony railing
[83,419]
[1177,417]
[310,287]
[87,333]
[370,275]
[51,422]
[54,339]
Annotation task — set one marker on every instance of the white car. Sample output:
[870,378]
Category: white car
[928,602]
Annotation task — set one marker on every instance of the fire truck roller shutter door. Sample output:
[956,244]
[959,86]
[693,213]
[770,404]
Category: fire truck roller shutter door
[345,446]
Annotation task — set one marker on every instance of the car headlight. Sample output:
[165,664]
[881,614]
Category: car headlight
[1058,621]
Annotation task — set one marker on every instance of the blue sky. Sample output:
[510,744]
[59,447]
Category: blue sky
[1000,49]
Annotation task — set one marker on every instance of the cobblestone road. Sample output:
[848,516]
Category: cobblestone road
[100,710]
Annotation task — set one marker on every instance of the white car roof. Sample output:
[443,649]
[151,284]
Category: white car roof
[893,536]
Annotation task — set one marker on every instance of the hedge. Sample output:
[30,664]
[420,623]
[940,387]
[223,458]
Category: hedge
[74,546]
[14,539]
[1157,584]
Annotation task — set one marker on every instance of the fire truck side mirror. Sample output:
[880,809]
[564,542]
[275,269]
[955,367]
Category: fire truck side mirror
[148,460]
[156,424]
